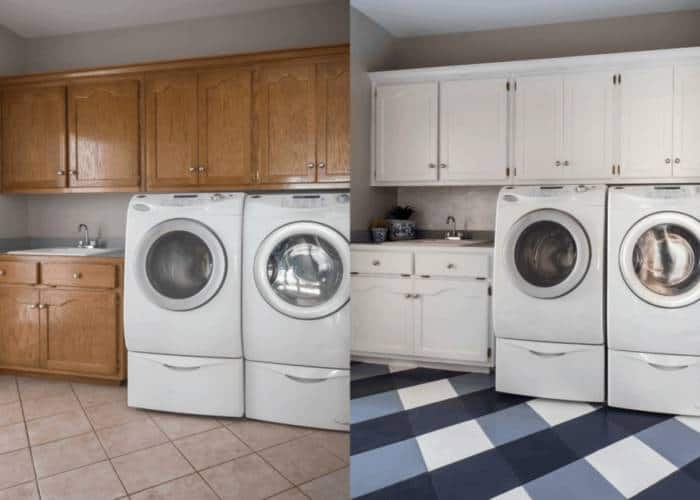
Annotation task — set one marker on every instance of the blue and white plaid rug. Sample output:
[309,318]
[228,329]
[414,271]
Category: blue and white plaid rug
[432,434]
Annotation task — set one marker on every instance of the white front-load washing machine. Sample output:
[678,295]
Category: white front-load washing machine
[653,293]
[296,316]
[182,302]
[548,291]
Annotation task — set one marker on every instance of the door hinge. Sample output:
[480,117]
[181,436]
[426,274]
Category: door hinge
[488,353]
[490,291]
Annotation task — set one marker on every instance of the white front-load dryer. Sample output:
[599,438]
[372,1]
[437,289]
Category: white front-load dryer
[653,298]
[296,321]
[548,291]
[182,302]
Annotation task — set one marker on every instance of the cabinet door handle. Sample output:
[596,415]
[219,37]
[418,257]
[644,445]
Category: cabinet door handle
[32,306]
[677,161]
[408,296]
[451,266]
[77,276]
[557,163]
[613,170]
[192,169]
[443,165]
[416,296]
[74,173]
[431,165]
[375,263]
[566,163]
[667,160]
[310,164]
[60,172]
[42,306]
[322,165]
[201,169]
[2,272]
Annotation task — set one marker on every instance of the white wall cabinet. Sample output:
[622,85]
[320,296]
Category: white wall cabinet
[630,117]
[406,132]
[442,317]
[646,123]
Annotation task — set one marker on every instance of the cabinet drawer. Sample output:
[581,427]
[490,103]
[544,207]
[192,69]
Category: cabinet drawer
[79,275]
[452,264]
[382,262]
[24,273]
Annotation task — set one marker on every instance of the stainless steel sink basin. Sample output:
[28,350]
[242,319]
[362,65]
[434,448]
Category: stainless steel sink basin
[441,242]
[64,251]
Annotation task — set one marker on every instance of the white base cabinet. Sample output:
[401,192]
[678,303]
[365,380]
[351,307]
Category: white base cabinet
[438,318]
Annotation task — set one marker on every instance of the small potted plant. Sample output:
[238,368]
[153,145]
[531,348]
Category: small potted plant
[378,230]
[400,227]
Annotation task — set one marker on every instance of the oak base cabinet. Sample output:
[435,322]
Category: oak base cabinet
[71,329]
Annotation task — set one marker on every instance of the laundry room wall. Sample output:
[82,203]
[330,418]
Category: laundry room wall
[13,209]
[56,217]
[370,50]
[475,207]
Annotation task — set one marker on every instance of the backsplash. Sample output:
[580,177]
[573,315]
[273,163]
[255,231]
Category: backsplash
[474,208]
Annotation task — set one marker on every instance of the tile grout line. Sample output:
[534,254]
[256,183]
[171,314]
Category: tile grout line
[80,403]
[26,433]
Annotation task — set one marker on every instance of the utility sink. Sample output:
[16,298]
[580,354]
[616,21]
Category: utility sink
[64,251]
[441,242]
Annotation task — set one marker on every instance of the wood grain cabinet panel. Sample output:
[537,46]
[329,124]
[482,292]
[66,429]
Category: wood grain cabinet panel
[225,127]
[34,138]
[79,275]
[80,330]
[286,123]
[19,273]
[333,131]
[20,343]
[171,129]
[103,130]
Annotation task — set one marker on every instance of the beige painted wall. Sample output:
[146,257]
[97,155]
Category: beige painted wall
[370,49]
[477,206]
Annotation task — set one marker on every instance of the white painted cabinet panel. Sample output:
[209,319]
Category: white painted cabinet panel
[538,125]
[406,133]
[587,135]
[452,319]
[686,129]
[473,130]
[382,315]
[646,122]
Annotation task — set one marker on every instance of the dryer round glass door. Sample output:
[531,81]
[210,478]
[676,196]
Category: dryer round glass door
[547,253]
[660,259]
[182,264]
[301,270]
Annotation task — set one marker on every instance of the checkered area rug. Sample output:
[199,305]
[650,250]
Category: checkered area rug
[432,434]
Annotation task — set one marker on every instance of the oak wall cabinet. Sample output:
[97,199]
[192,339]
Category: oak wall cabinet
[62,316]
[620,118]
[274,120]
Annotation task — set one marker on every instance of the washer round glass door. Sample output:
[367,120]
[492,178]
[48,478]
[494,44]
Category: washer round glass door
[182,264]
[660,259]
[301,270]
[547,253]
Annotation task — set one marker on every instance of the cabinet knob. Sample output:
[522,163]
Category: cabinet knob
[668,160]
[201,169]
[375,263]
[32,306]
[77,276]
[192,169]
[416,296]
[42,306]
[677,161]
[322,165]
[408,296]
[60,172]
[310,164]
[2,272]
[431,165]
[74,173]
[443,165]
[566,163]
[557,163]
[451,266]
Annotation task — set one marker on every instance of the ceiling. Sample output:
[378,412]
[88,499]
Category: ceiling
[408,18]
[40,18]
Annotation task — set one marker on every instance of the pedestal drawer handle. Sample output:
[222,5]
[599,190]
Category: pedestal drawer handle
[305,380]
[182,368]
[667,368]
[546,354]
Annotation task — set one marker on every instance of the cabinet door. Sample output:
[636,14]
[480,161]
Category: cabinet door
[406,121]
[286,121]
[34,138]
[588,118]
[333,137]
[382,317]
[452,319]
[103,131]
[81,329]
[225,127]
[473,130]
[19,327]
[686,129]
[171,130]
[538,126]
[646,122]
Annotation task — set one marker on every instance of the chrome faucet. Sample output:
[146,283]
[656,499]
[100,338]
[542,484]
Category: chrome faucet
[85,241]
[452,234]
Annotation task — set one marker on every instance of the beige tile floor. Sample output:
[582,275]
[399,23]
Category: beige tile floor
[61,440]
